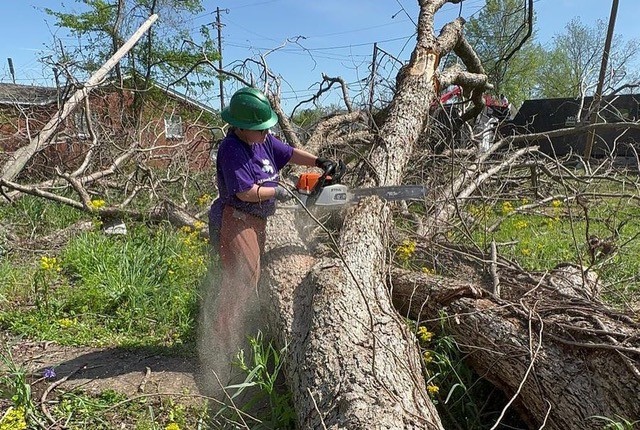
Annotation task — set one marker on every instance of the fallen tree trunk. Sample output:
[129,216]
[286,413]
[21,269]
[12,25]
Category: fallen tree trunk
[351,360]
[563,357]
[12,168]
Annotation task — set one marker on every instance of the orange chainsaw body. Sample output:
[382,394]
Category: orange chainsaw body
[307,182]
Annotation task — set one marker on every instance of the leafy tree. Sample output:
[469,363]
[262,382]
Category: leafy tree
[573,62]
[495,33]
[165,54]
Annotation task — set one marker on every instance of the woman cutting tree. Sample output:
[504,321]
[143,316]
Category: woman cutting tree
[248,163]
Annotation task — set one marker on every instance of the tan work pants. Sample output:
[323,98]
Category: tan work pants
[237,309]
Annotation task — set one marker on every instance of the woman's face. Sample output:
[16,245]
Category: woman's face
[252,136]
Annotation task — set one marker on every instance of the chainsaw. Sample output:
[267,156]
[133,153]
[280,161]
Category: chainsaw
[325,190]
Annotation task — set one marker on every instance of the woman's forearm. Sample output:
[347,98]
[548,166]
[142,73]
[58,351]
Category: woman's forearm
[257,194]
[303,158]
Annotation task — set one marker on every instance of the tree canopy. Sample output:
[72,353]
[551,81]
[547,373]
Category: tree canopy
[573,62]
[497,31]
[166,54]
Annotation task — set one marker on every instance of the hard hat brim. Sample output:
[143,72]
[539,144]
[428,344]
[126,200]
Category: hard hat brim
[227,117]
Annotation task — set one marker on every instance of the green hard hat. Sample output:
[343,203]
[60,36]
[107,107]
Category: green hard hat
[249,109]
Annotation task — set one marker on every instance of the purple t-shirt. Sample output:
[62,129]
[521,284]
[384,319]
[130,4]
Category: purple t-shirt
[239,166]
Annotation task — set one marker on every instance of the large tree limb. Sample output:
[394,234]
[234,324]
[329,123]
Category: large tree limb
[21,157]
[348,350]
[589,364]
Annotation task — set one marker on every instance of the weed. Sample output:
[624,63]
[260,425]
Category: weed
[33,215]
[80,410]
[14,384]
[619,423]
[463,399]
[557,233]
[108,290]
[14,419]
[262,370]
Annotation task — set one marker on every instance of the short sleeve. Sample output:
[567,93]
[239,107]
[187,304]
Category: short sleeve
[282,152]
[235,169]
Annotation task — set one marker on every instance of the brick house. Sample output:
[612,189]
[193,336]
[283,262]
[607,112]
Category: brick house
[172,127]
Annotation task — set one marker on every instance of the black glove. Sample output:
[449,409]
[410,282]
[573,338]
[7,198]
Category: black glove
[326,165]
[282,194]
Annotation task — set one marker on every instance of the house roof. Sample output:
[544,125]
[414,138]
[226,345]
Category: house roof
[27,95]
[187,99]
[544,115]
[551,114]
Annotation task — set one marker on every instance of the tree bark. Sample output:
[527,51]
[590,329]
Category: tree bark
[560,355]
[563,356]
[352,362]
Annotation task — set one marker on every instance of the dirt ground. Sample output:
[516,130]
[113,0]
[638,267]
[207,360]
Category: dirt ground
[128,371]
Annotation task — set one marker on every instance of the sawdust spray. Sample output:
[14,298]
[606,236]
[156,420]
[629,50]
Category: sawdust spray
[219,343]
[226,320]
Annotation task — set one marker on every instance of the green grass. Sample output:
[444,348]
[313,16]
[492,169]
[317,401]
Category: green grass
[555,233]
[98,290]
[33,216]
[108,290]
[142,291]
[83,411]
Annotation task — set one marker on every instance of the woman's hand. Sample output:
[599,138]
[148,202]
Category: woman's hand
[326,165]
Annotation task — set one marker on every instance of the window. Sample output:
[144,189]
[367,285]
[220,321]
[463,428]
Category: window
[173,127]
[81,125]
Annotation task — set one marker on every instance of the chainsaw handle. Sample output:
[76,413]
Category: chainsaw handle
[331,175]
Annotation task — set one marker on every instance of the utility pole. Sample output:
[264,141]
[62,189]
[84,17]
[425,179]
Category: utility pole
[373,75]
[11,70]
[597,97]
[219,27]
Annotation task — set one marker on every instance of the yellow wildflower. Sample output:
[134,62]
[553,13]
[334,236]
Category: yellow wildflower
[433,389]
[428,271]
[521,224]
[556,203]
[49,263]
[424,334]
[14,419]
[186,229]
[427,356]
[172,426]
[198,225]
[406,250]
[203,200]
[67,322]
[507,208]
[97,203]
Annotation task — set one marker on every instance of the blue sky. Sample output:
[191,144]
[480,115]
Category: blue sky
[338,34]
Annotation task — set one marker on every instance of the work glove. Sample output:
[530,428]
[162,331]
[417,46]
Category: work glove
[282,194]
[326,165]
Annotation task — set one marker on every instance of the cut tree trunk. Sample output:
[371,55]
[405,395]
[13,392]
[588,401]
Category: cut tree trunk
[351,360]
[563,356]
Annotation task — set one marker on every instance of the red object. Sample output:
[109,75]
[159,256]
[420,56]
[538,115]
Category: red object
[307,182]
[456,91]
